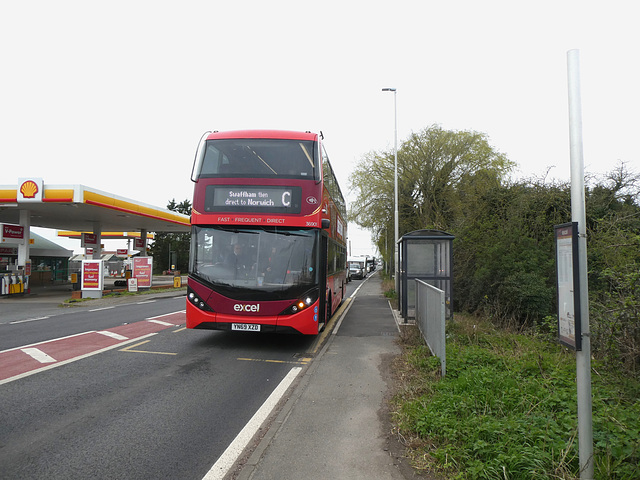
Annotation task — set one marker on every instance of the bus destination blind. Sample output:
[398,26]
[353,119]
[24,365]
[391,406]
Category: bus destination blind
[247,198]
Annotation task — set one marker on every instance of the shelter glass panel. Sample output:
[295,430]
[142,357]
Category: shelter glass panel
[422,258]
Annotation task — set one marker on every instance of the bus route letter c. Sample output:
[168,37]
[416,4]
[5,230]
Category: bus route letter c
[286,199]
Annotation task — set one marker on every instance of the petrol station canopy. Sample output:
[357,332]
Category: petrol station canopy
[84,209]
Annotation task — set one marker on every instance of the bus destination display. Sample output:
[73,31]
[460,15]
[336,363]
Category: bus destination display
[249,198]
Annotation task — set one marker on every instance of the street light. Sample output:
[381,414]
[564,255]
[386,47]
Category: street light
[395,183]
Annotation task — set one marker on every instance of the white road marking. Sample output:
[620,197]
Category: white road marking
[235,449]
[38,355]
[166,315]
[160,322]
[28,320]
[117,336]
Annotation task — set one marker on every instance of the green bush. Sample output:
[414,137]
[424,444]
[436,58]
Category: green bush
[507,409]
[526,295]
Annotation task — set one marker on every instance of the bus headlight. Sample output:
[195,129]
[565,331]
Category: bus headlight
[194,299]
[305,301]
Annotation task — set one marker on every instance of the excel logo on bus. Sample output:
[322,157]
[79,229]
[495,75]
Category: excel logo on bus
[239,307]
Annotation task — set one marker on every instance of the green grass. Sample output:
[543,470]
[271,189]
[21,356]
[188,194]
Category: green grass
[124,293]
[507,408]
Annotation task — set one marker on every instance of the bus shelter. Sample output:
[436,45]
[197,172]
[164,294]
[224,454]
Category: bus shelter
[426,255]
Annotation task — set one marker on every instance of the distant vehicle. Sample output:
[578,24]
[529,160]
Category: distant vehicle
[361,261]
[356,270]
[371,264]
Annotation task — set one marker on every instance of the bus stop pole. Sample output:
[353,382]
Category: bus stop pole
[583,356]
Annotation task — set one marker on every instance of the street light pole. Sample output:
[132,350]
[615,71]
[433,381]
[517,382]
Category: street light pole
[395,184]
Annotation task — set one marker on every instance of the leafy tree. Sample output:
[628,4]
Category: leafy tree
[172,248]
[504,252]
[437,168]
[436,163]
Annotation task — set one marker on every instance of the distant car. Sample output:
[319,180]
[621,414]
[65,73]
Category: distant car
[356,271]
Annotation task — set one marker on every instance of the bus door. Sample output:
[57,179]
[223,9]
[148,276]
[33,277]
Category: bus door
[324,271]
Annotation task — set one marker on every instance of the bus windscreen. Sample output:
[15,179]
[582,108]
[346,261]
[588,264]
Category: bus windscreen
[272,261]
[259,158]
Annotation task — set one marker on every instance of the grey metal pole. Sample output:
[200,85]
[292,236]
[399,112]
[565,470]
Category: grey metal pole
[583,357]
[395,186]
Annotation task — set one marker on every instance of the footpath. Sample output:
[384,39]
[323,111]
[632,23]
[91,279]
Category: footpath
[334,424]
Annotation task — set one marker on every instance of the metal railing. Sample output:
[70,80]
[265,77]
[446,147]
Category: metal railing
[430,318]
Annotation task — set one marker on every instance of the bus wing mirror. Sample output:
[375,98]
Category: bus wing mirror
[326,223]
[197,161]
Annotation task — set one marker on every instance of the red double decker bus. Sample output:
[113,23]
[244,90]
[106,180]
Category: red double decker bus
[268,239]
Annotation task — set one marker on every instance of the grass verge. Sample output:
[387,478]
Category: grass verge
[124,293]
[507,408]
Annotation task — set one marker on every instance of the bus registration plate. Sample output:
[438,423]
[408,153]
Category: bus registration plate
[245,327]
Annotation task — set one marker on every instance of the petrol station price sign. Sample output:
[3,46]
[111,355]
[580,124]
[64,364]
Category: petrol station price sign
[92,278]
[142,271]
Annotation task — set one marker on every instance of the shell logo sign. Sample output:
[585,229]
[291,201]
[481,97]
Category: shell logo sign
[30,189]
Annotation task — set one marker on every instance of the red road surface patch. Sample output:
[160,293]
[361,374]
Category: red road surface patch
[16,362]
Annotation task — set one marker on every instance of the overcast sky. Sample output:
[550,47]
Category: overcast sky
[115,95]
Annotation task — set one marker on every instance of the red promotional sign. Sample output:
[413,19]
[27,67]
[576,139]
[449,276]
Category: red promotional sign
[122,252]
[12,233]
[89,239]
[142,270]
[91,275]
